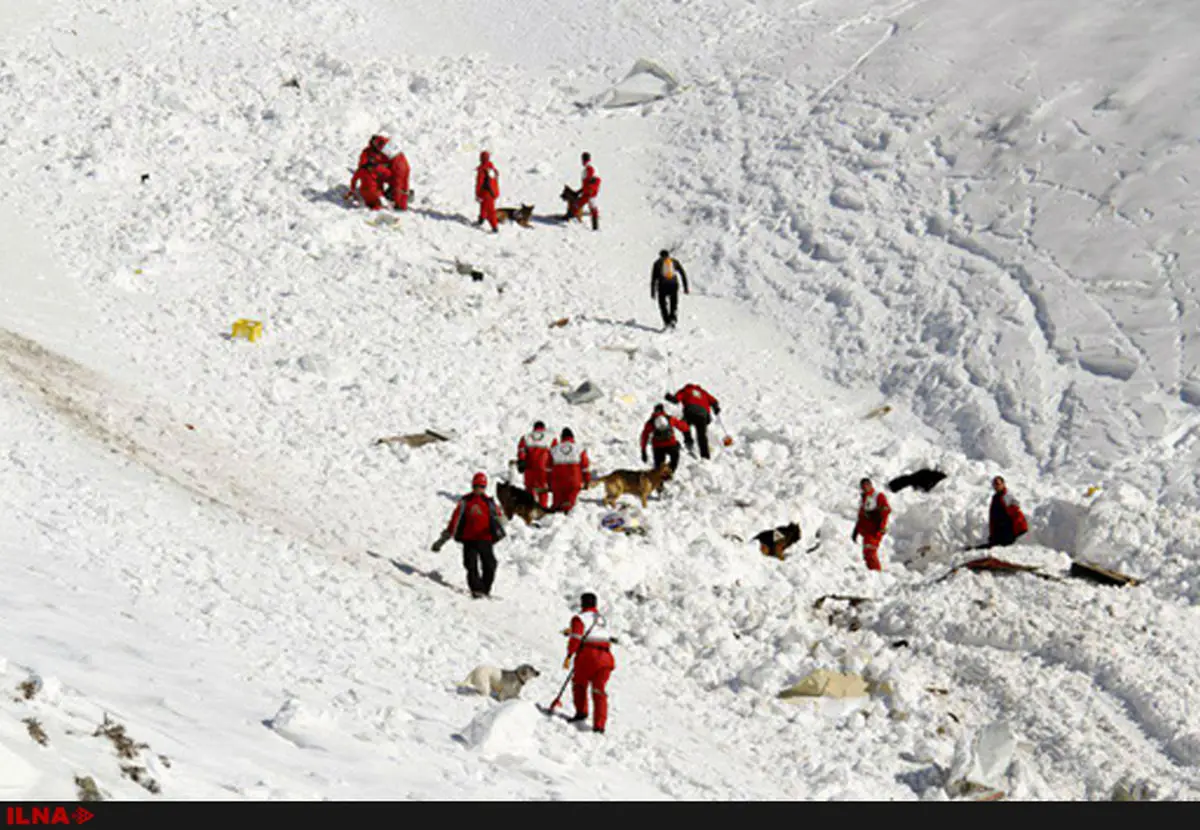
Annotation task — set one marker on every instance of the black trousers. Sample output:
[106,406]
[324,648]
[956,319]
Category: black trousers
[670,454]
[698,417]
[668,306]
[480,563]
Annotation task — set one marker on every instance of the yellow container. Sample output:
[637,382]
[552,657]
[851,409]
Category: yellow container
[250,329]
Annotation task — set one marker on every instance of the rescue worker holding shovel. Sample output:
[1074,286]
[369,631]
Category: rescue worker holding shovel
[591,646]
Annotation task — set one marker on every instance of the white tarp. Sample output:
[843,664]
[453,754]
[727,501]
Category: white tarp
[646,82]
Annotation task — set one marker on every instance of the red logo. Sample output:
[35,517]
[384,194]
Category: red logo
[46,815]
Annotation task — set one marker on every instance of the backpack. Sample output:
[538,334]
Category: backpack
[668,269]
[662,427]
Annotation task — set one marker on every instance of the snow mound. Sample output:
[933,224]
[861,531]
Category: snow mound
[303,725]
[506,729]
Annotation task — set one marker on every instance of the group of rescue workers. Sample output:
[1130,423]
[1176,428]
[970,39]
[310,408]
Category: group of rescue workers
[383,173]
[556,470]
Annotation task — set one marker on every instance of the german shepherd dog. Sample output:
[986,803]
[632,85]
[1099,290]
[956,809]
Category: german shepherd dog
[775,542]
[570,197]
[518,501]
[640,483]
[520,215]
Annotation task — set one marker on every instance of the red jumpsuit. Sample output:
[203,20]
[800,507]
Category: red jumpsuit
[568,473]
[873,515]
[487,190]
[593,664]
[382,171]
[373,173]
[399,183]
[588,191]
[533,454]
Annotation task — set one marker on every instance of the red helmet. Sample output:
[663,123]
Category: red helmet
[479,480]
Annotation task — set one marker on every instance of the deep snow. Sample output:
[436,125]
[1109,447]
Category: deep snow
[974,213]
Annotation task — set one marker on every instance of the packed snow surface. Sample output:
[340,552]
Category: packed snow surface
[926,233]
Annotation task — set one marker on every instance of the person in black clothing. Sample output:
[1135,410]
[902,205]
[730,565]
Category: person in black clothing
[665,277]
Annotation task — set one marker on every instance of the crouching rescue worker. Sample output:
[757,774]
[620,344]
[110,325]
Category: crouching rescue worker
[382,172]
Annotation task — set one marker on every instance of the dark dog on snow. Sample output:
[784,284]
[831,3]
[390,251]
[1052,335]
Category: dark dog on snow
[520,215]
[775,542]
[518,501]
[924,480]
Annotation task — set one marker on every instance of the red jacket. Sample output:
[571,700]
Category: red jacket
[400,170]
[533,452]
[667,438]
[1005,518]
[372,163]
[570,468]
[475,519]
[873,514]
[694,394]
[487,179]
[591,183]
[589,621]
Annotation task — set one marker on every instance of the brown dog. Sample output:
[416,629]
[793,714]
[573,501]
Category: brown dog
[520,215]
[775,542]
[518,501]
[640,483]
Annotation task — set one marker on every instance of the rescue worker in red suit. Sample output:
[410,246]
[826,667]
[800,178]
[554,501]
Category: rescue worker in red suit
[476,523]
[1006,522]
[382,172]
[591,646]
[698,409]
[533,459]
[569,471]
[660,431]
[487,190]
[589,189]
[873,513]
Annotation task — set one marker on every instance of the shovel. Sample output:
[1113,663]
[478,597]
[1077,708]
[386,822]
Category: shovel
[727,440]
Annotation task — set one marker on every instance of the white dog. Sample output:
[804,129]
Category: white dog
[505,684]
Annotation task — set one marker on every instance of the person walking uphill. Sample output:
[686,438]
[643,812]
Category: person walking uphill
[1006,522]
[591,646]
[478,525]
[569,471]
[661,428]
[698,409]
[873,513]
[534,461]
[665,277]
[487,190]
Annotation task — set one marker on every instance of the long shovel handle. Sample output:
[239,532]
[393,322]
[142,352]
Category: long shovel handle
[558,700]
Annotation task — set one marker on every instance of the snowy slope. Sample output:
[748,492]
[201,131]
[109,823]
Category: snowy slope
[970,212]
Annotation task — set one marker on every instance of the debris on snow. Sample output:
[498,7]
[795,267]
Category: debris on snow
[586,392]
[981,763]
[420,439]
[1104,576]
[824,683]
